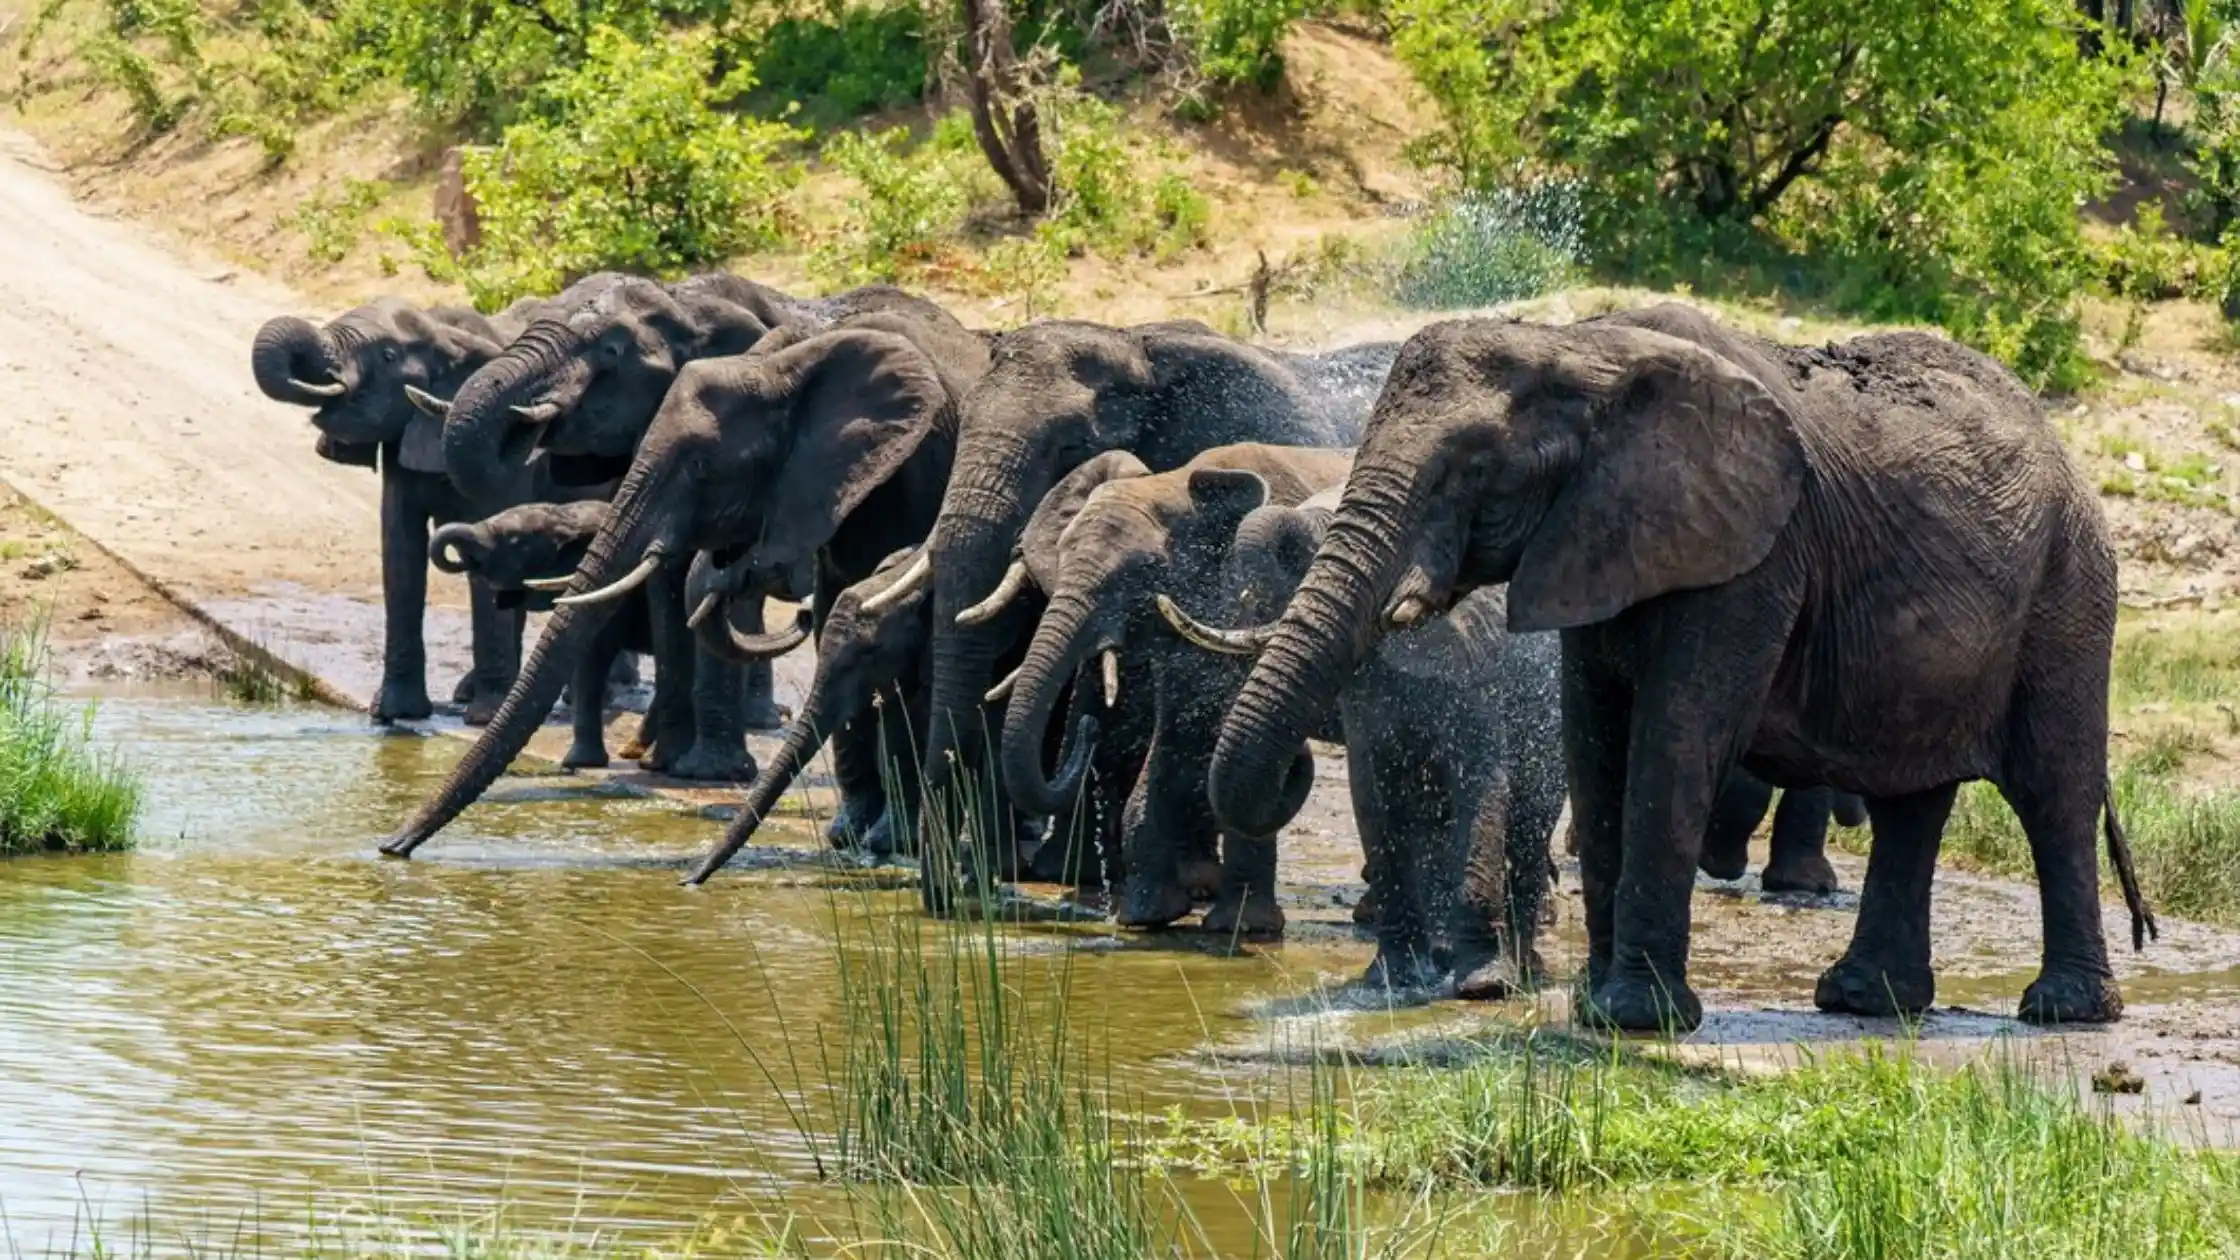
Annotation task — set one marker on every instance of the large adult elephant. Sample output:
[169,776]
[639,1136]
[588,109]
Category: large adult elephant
[1138,535]
[836,447]
[1868,566]
[355,371]
[1058,394]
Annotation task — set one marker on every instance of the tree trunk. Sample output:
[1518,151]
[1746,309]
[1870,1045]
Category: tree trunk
[1003,114]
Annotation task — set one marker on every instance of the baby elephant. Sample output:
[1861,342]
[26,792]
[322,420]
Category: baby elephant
[1799,860]
[1454,761]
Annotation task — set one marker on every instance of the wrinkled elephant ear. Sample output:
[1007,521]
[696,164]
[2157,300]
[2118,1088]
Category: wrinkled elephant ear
[1687,479]
[857,402]
[1038,543]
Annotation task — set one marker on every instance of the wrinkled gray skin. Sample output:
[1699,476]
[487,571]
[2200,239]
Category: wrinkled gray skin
[1450,730]
[353,372]
[1126,535]
[1060,393]
[831,449]
[581,383]
[1868,566]
[1799,859]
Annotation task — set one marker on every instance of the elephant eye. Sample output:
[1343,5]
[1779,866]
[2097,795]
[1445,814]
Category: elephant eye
[388,354]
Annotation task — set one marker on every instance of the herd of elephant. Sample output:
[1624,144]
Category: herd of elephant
[1081,596]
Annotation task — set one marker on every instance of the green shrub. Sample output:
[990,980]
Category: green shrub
[630,167]
[1181,214]
[1928,160]
[848,60]
[911,198]
[1233,42]
[57,793]
[1096,185]
[1501,245]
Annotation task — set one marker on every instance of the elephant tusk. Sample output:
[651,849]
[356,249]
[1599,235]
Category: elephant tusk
[549,583]
[902,587]
[708,604]
[1001,690]
[764,647]
[1410,611]
[427,403]
[537,413]
[629,582]
[1015,580]
[1111,678]
[1227,642]
[335,389]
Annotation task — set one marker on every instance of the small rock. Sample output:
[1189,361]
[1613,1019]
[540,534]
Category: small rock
[2135,461]
[2118,1078]
[48,565]
[2193,1099]
[92,614]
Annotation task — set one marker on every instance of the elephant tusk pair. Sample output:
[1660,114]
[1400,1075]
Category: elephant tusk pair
[902,587]
[1111,664]
[333,389]
[1226,642]
[549,583]
[426,403]
[1015,580]
[614,590]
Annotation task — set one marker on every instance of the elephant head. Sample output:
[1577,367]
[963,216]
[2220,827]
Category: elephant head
[1591,468]
[359,371]
[521,545]
[585,376]
[871,649]
[1058,394]
[711,590]
[766,458]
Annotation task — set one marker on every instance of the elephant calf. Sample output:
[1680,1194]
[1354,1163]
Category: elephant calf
[1452,745]
[1799,860]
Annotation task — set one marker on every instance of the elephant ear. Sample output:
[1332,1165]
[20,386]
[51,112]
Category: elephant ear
[1691,470]
[857,404]
[1039,542]
[422,447]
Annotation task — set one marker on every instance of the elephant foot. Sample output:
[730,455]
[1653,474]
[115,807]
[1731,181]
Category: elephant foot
[879,841]
[1399,970]
[402,700]
[1724,861]
[1201,878]
[1061,861]
[1810,873]
[1494,980]
[1860,986]
[635,749]
[1630,1003]
[1255,916]
[464,692]
[707,763]
[584,755]
[482,708]
[853,823]
[765,716]
[2071,996]
[1368,910]
[1152,905]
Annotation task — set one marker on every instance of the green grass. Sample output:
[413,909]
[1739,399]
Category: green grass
[2174,660]
[251,677]
[57,792]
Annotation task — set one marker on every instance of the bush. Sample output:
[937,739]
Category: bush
[1484,248]
[631,168]
[911,198]
[57,794]
[1929,157]
[1233,42]
[849,60]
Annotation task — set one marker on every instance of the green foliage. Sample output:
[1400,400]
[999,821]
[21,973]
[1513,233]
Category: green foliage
[1501,245]
[1181,213]
[848,60]
[1235,42]
[332,222]
[1927,159]
[57,792]
[629,166]
[912,197]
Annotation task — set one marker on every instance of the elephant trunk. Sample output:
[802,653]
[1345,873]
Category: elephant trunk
[1069,633]
[457,547]
[296,363]
[973,548]
[492,428]
[828,705]
[631,531]
[1261,774]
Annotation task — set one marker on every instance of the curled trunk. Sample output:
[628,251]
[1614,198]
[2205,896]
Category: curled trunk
[292,360]
[454,548]
[485,440]
[1062,644]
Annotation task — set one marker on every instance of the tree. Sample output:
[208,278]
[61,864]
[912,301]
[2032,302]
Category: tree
[1004,117]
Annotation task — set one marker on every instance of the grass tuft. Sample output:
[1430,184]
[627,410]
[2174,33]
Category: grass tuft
[57,792]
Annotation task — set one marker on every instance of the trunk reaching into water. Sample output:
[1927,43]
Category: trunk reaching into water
[1260,774]
[801,743]
[1062,645]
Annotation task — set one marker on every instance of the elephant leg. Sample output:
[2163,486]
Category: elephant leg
[758,696]
[497,652]
[1597,714]
[1403,937]
[2056,780]
[1477,893]
[1799,862]
[675,652]
[1167,806]
[1743,801]
[1886,970]
[403,696]
[719,742]
[857,773]
[588,748]
[1848,809]
[1247,905]
[1533,809]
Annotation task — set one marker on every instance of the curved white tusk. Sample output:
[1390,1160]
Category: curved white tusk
[997,693]
[549,584]
[1015,580]
[1111,678]
[538,413]
[902,587]
[1410,611]
[629,582]
[427,403]
[1226,642]
[332,390]
[708,604]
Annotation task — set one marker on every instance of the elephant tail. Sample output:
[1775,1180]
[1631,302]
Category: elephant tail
[2119,854]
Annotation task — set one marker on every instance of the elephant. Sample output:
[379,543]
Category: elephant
[535,541]
[1799,861]
[581,383]
[355,371]
[1138,534]
[1867,566]
[1059,393]
[834,448]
